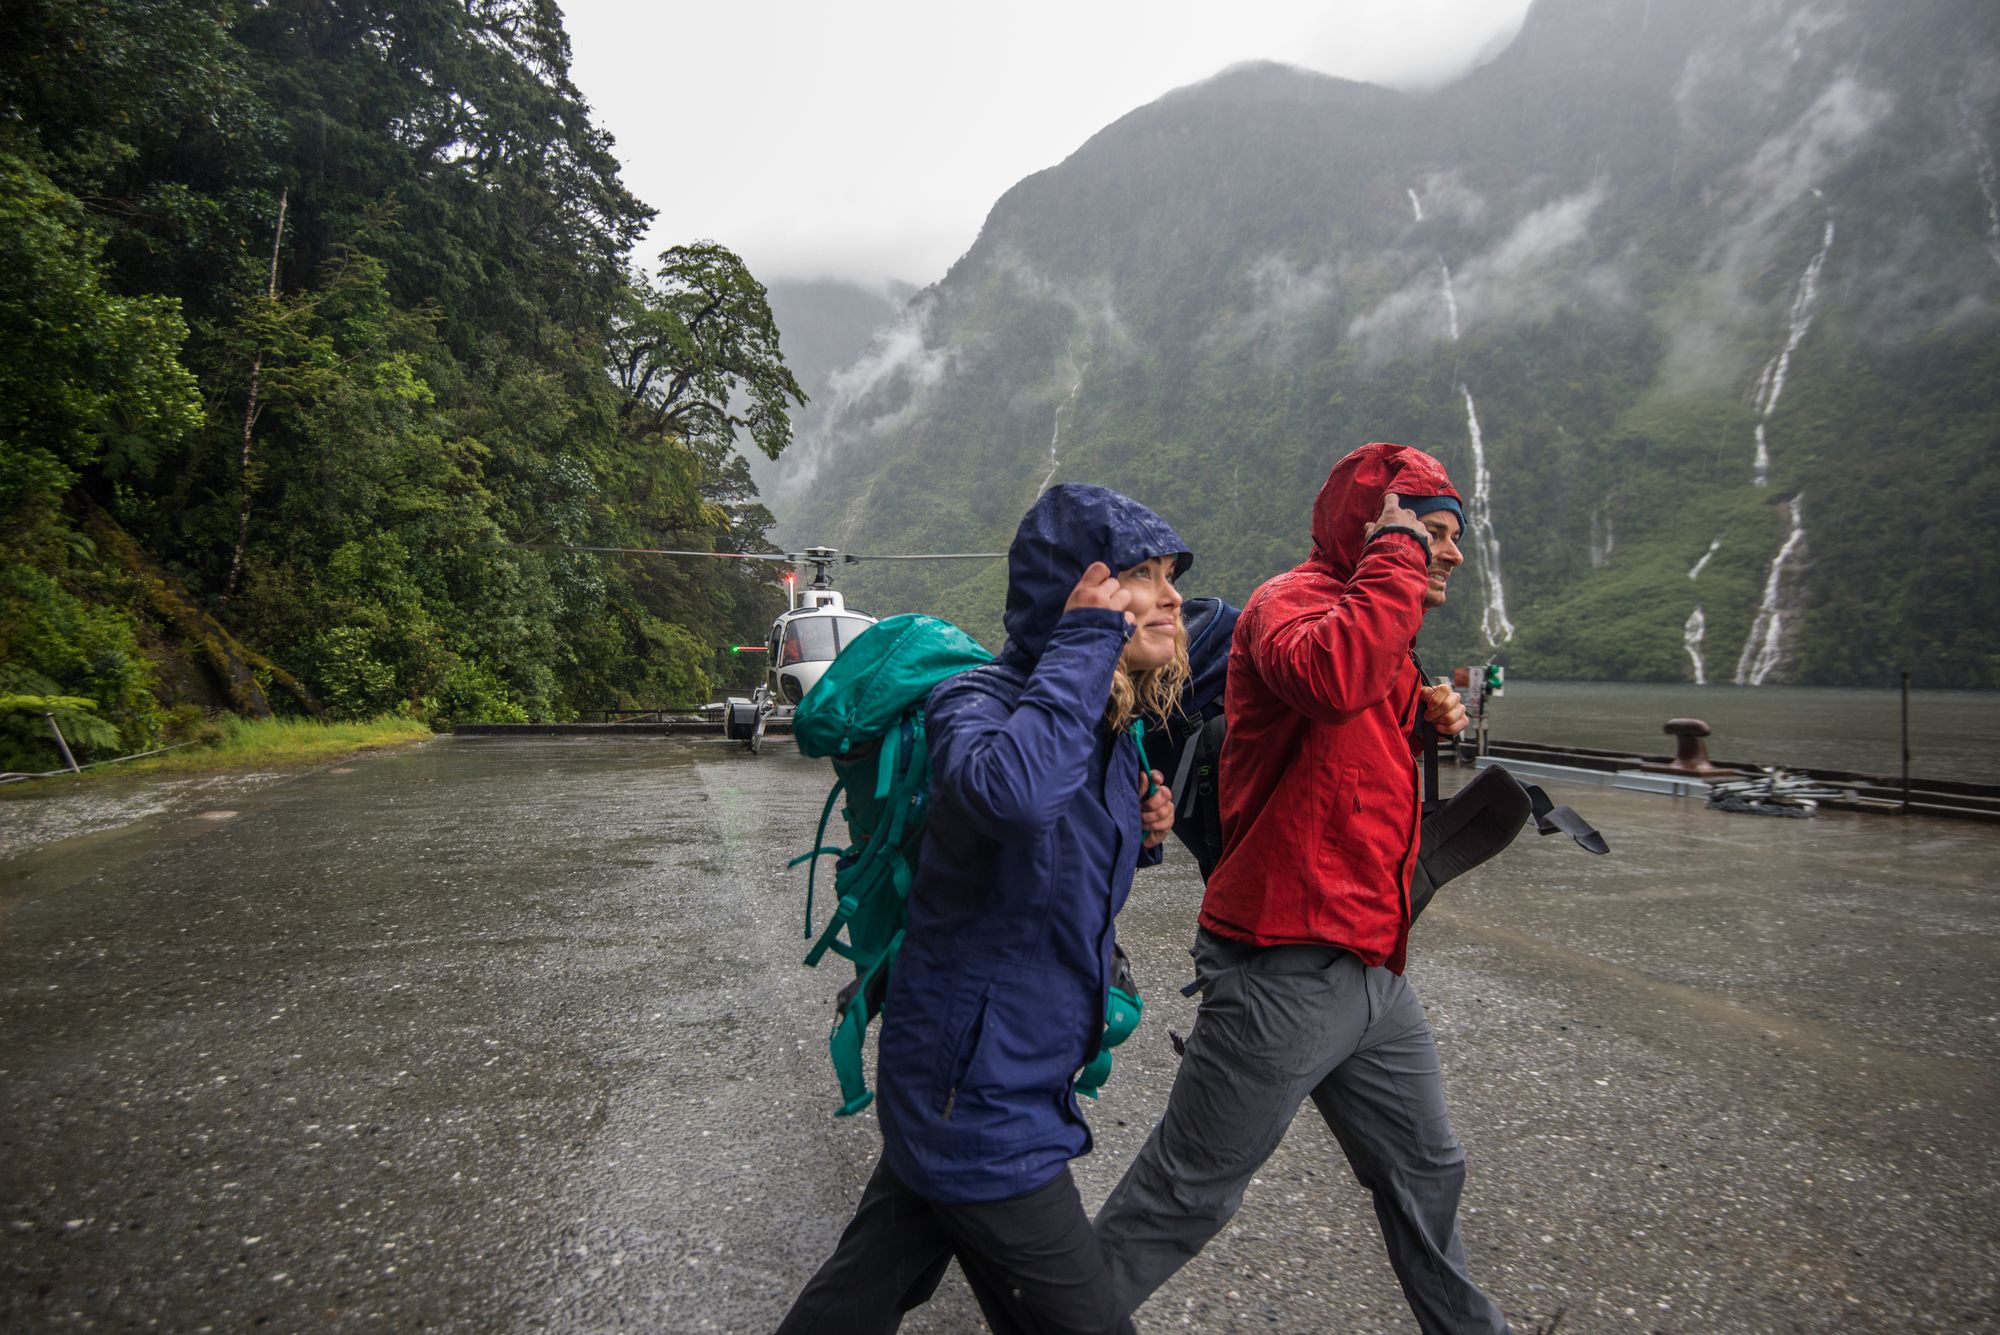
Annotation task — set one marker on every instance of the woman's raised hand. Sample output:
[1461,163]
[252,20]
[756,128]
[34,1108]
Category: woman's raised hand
[1100,588]
[1156,809]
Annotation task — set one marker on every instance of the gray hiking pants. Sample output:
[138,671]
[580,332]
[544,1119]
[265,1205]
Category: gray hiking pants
[1278,1024]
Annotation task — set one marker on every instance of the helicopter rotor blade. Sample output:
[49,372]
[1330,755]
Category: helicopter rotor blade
[929,556]
[812,556]
[637,551]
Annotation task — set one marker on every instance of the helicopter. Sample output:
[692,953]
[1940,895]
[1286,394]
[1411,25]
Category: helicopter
[807,636]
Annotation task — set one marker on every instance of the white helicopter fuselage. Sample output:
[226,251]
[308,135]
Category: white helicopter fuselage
[815,627]
[804,640]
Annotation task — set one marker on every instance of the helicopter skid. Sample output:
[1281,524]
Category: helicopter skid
[747,720]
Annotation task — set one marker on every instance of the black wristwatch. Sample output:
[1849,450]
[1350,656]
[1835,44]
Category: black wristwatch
[1416,533]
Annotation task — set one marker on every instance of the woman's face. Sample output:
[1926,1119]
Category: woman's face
[1155,610]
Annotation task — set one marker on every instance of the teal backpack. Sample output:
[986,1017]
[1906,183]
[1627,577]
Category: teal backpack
[866,715]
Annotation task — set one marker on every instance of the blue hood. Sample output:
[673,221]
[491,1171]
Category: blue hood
[1210,623]
[1070,526]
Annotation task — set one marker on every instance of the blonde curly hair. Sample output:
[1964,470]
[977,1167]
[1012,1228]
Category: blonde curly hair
[1151,694]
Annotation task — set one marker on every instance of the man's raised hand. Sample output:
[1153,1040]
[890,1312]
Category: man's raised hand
[1100,588]
[1443,707]
[1393,513]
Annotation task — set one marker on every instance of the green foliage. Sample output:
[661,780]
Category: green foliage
[229,742]
[27,702]
[89,381]
[364,403]
[690,343]
[69,636]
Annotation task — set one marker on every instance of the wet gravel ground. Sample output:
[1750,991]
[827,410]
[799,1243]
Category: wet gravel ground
[511,1035]
[46,811]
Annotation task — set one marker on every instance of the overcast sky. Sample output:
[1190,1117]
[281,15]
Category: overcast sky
[866,140]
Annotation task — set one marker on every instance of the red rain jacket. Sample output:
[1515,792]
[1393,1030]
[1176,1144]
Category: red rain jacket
[1321,795]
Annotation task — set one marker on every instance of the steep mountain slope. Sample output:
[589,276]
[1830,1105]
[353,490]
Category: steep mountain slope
[1699,301]
[827,325]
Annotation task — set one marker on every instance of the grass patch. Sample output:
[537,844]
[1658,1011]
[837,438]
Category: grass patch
[236,743]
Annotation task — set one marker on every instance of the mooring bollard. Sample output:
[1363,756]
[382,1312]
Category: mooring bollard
[1690,749]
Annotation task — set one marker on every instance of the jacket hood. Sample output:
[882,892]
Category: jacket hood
[1210,622]
[1071,525]
[1352,497]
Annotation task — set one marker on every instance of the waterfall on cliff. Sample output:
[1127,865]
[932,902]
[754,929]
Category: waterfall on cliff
[1772,382]
[1450,301]
[1982,159]
[1765,648]
[1692,635]
[1493,622]
[1055,436]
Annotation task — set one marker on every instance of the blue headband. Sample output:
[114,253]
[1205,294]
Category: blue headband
[1423,505]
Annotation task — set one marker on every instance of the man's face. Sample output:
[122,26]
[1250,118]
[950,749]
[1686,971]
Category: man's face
[1442,525]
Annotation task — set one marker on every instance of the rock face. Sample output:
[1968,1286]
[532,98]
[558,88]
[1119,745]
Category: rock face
[1641,281]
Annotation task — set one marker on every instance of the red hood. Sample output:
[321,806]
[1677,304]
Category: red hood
[1352,498]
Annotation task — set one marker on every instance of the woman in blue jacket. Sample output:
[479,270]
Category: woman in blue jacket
[1039,817]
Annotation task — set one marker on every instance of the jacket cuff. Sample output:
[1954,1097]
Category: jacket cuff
[1093,617]
[1423,538]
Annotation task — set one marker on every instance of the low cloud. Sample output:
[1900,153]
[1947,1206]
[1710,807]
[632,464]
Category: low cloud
[1534,270]
[1776,192]
[1444,195]
[1799,158]
[1098,325]
[884,388]
[1284,303]
[1728,82]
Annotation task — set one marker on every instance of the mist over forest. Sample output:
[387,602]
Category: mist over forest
[326,338]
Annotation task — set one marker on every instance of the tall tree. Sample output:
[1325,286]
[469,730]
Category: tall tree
[323,447]
[696,352]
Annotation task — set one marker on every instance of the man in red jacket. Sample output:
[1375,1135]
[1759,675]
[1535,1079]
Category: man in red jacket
[1306,917]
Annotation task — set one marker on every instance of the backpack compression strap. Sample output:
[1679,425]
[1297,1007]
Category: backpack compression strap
[876,869]
[850,1031]
[882,856]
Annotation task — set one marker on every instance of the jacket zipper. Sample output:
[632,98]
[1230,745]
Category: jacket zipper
[1408,865]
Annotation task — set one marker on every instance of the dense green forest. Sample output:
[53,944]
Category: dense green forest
[1642,243]
[317,318]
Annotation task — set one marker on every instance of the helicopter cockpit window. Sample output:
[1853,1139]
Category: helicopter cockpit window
[808,640]
[849,627]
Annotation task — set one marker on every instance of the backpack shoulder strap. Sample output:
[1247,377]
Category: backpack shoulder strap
[1208,780]
[1183,794]
[1427,732]
[820,849]
[1551,818]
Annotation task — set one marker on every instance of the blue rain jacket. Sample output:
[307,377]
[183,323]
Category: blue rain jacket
[997,998]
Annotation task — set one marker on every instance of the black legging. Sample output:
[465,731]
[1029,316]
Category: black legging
[1032,1261]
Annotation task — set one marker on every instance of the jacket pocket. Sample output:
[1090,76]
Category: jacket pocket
[1347,796]
[959,1054]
